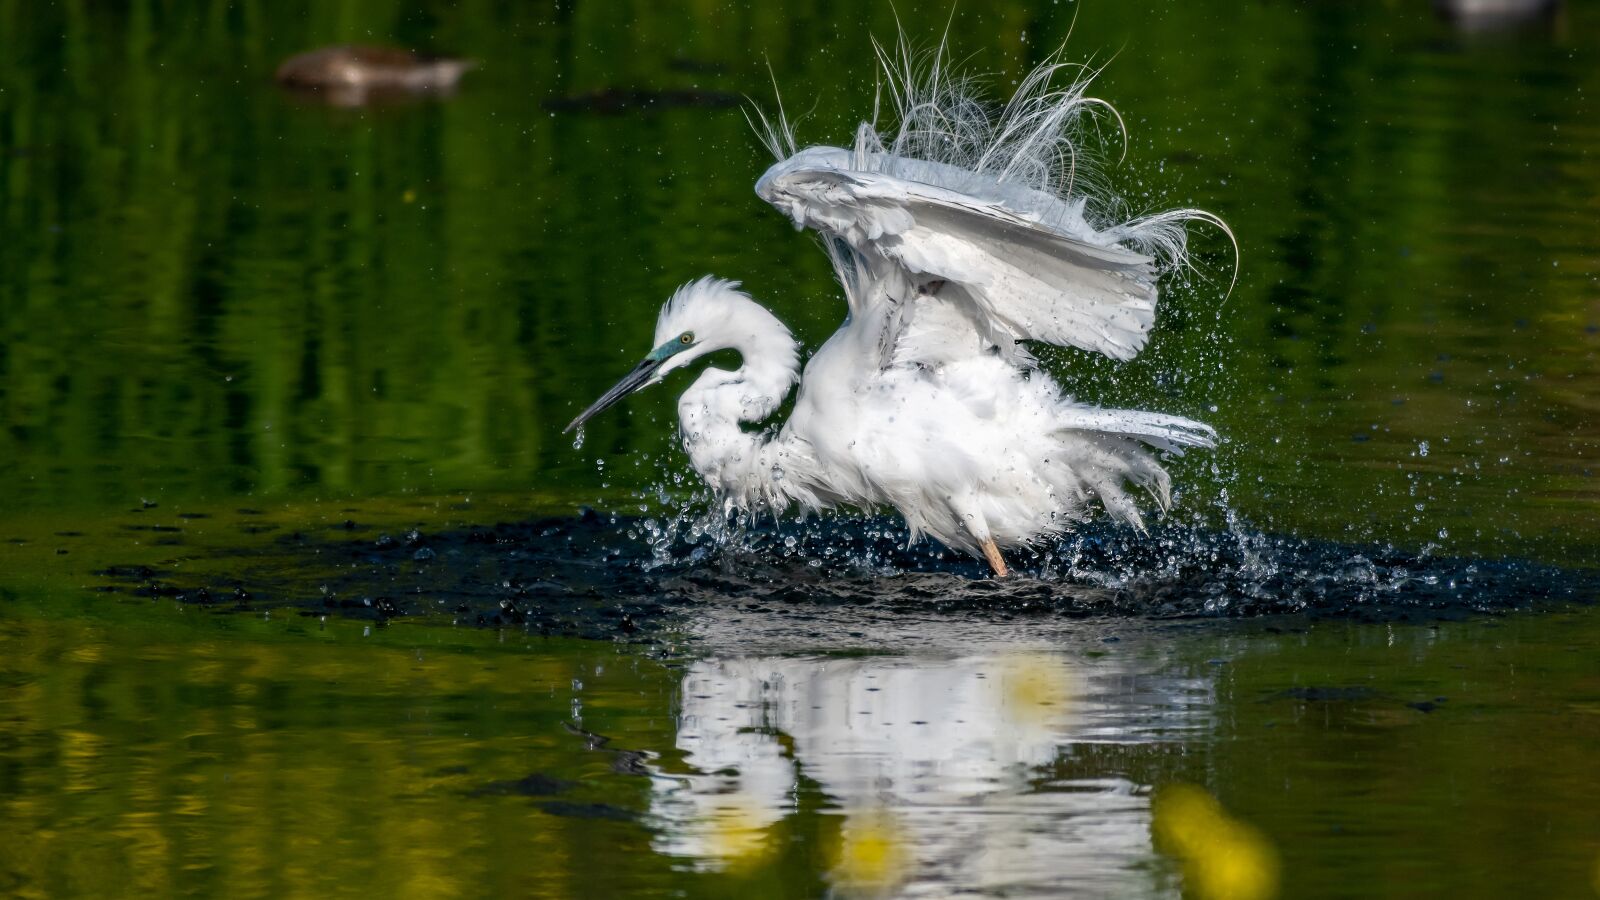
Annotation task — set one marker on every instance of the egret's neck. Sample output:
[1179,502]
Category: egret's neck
[737,464]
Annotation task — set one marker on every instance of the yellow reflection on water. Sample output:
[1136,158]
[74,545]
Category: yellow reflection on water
[872,857]
[1036,688]
[1223,858]
[180,757]
[739,833]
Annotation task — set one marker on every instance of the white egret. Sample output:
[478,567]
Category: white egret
[957,235]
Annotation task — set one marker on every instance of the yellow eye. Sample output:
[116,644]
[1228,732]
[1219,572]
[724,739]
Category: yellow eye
[687,338]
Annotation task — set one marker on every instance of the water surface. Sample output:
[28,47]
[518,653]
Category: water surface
[301,591]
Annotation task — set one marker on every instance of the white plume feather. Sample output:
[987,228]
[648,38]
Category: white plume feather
[1039,154]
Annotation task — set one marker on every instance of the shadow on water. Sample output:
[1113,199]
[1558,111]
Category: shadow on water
[596,575]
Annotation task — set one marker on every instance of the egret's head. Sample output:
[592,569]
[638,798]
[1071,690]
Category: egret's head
[702,317]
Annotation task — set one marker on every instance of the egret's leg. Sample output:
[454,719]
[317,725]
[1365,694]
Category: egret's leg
[992,554]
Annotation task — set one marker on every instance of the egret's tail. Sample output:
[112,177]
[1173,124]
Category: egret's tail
[1111,448]
[1171,434]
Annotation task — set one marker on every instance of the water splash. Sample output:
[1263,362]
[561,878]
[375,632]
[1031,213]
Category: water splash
[636,576]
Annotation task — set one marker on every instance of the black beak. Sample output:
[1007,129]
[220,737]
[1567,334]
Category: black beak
[630,382]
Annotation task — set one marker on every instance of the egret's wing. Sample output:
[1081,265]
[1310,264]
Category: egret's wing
[1022,278]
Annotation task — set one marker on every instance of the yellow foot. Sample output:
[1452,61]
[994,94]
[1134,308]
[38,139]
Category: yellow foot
[992,554]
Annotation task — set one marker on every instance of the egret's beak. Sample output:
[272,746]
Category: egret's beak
[638,378]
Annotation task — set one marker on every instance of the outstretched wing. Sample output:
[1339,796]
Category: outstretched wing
[1015,275]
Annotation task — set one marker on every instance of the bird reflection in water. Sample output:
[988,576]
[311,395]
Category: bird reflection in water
[938,766]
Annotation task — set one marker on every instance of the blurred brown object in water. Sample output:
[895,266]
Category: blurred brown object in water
[355,75]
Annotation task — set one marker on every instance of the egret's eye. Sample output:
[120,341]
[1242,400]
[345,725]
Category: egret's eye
[686,338]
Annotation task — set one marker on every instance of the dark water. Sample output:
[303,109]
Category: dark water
[296,596]
[640,580]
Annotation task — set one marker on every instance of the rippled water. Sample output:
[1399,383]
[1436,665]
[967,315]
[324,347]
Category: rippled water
[607,576]
[163,751]
[301,591]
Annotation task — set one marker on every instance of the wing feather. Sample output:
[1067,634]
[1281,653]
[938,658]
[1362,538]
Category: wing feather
[1025,279]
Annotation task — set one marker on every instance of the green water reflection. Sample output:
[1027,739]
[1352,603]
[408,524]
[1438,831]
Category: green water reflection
[239,756]
[208,288]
